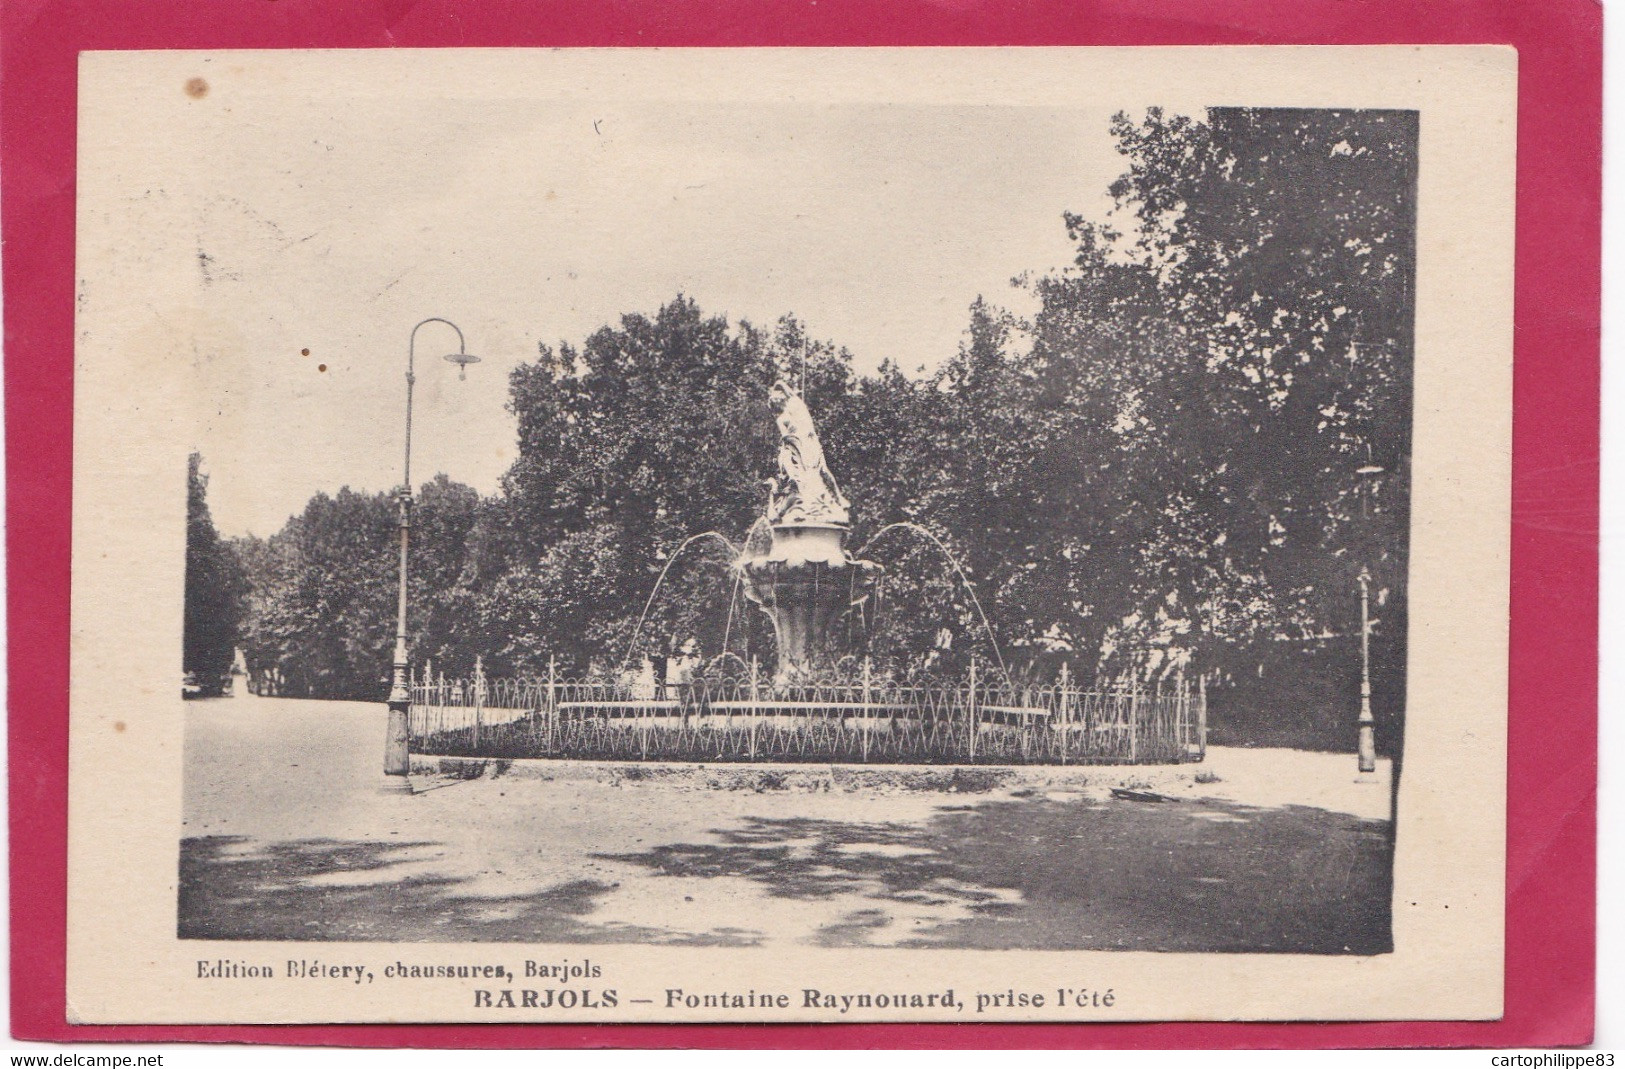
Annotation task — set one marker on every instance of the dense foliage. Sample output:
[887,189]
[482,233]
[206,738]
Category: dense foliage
[215,586]
[1160,472]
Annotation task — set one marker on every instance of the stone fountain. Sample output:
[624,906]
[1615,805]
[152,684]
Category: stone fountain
[804,579]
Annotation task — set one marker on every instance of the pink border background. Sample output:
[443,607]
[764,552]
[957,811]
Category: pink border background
[1552,777]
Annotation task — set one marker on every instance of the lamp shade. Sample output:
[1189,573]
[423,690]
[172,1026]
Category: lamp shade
[462,360]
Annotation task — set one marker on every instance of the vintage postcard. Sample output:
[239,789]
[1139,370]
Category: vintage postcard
[943,535]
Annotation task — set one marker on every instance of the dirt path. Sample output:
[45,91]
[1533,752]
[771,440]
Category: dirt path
[287,837]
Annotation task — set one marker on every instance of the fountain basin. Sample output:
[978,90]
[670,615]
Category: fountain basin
[806,582]
[808,543]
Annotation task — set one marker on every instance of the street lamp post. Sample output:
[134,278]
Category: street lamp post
[1367,722]
[397,749]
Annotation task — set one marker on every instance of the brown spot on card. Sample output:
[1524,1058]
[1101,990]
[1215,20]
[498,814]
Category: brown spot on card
[197,88]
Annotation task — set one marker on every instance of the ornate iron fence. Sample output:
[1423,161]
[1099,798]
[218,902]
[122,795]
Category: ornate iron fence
[973,721]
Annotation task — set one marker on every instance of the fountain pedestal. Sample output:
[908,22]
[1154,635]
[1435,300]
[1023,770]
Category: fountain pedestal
[806,582]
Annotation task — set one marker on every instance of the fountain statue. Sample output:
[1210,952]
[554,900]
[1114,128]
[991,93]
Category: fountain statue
[804,492]
[804,580]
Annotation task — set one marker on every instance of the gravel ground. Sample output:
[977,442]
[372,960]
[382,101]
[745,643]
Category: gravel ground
[287,836]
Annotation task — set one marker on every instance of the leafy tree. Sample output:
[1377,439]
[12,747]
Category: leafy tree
[1253,334]
[270,636]
[444,519]
[214,590]
[661,430]
[651,433]
[322,599]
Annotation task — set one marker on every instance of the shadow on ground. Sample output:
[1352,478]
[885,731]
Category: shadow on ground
[1114,875]
[1029,873]
[323,889]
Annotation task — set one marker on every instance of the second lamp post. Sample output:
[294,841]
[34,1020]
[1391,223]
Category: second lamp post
[397,750]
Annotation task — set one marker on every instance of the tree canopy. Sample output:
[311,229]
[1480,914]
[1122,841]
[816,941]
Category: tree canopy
[1180,463]
[215,586]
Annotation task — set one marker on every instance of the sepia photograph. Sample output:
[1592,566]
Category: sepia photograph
[783,520]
